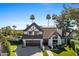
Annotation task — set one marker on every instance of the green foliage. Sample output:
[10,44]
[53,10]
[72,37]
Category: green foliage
[77,51]
[76,37]
[75,46]
[64,52]
[48,16]
[9,34]
[64,21]
[45,53]
[12,48]
[15,42]
[5,46]
[32,17]
[19,33]
[54,17]
[14,26]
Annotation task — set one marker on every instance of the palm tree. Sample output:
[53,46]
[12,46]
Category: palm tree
[48,17]
[32,17]
[14,31]
[54,17]
[14,26]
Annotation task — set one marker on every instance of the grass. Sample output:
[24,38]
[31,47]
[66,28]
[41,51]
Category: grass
[45,53]
[66,51]
[12,47]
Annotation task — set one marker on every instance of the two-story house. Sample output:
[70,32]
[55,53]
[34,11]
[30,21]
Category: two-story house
[35,35]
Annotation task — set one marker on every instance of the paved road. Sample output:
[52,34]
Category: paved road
[28,51]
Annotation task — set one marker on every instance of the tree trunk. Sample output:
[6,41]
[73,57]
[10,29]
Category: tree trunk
[48,22]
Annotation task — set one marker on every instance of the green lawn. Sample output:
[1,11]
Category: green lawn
[12,47]
[64,52]
[45,53]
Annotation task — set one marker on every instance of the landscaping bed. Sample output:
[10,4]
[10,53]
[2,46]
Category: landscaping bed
[45,53]
[66,51]
[76,42]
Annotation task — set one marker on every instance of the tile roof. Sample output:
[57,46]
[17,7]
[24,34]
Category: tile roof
[48,31]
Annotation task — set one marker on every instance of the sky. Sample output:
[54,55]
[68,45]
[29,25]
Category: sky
[18,14]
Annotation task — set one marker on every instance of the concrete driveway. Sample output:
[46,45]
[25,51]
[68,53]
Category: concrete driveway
[28,51]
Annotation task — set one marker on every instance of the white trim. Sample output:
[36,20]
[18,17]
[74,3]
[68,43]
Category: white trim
[41,41]
[32,39]
[24,43]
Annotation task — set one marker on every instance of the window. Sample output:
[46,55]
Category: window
[55,41]
[55,37]
[35,32]
[30,32]
[55,44]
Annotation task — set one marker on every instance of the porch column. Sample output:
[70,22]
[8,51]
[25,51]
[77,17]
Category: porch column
[24,43]
[52,44]
[41,43]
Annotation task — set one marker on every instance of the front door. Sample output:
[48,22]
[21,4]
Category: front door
[55,43]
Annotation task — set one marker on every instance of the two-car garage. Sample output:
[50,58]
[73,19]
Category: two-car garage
[33,42]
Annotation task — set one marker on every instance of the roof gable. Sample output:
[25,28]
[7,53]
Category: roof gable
[33,24]
[55,33]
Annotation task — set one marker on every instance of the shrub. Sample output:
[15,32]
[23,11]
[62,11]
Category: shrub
[77,51]
[5,46]
[73,45]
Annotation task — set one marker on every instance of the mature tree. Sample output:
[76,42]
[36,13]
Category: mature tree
[32,17]
[19,33]
[65,21]
[48,17]
[14,31]
[6,30]
[5,46]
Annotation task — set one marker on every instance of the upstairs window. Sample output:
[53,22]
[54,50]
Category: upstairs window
[30,32]
[55,41]
[55,37]
[35,32]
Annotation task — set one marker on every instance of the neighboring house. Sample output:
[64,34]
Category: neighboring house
[35,35]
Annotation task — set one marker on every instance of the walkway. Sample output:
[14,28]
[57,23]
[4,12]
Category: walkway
[49,53]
